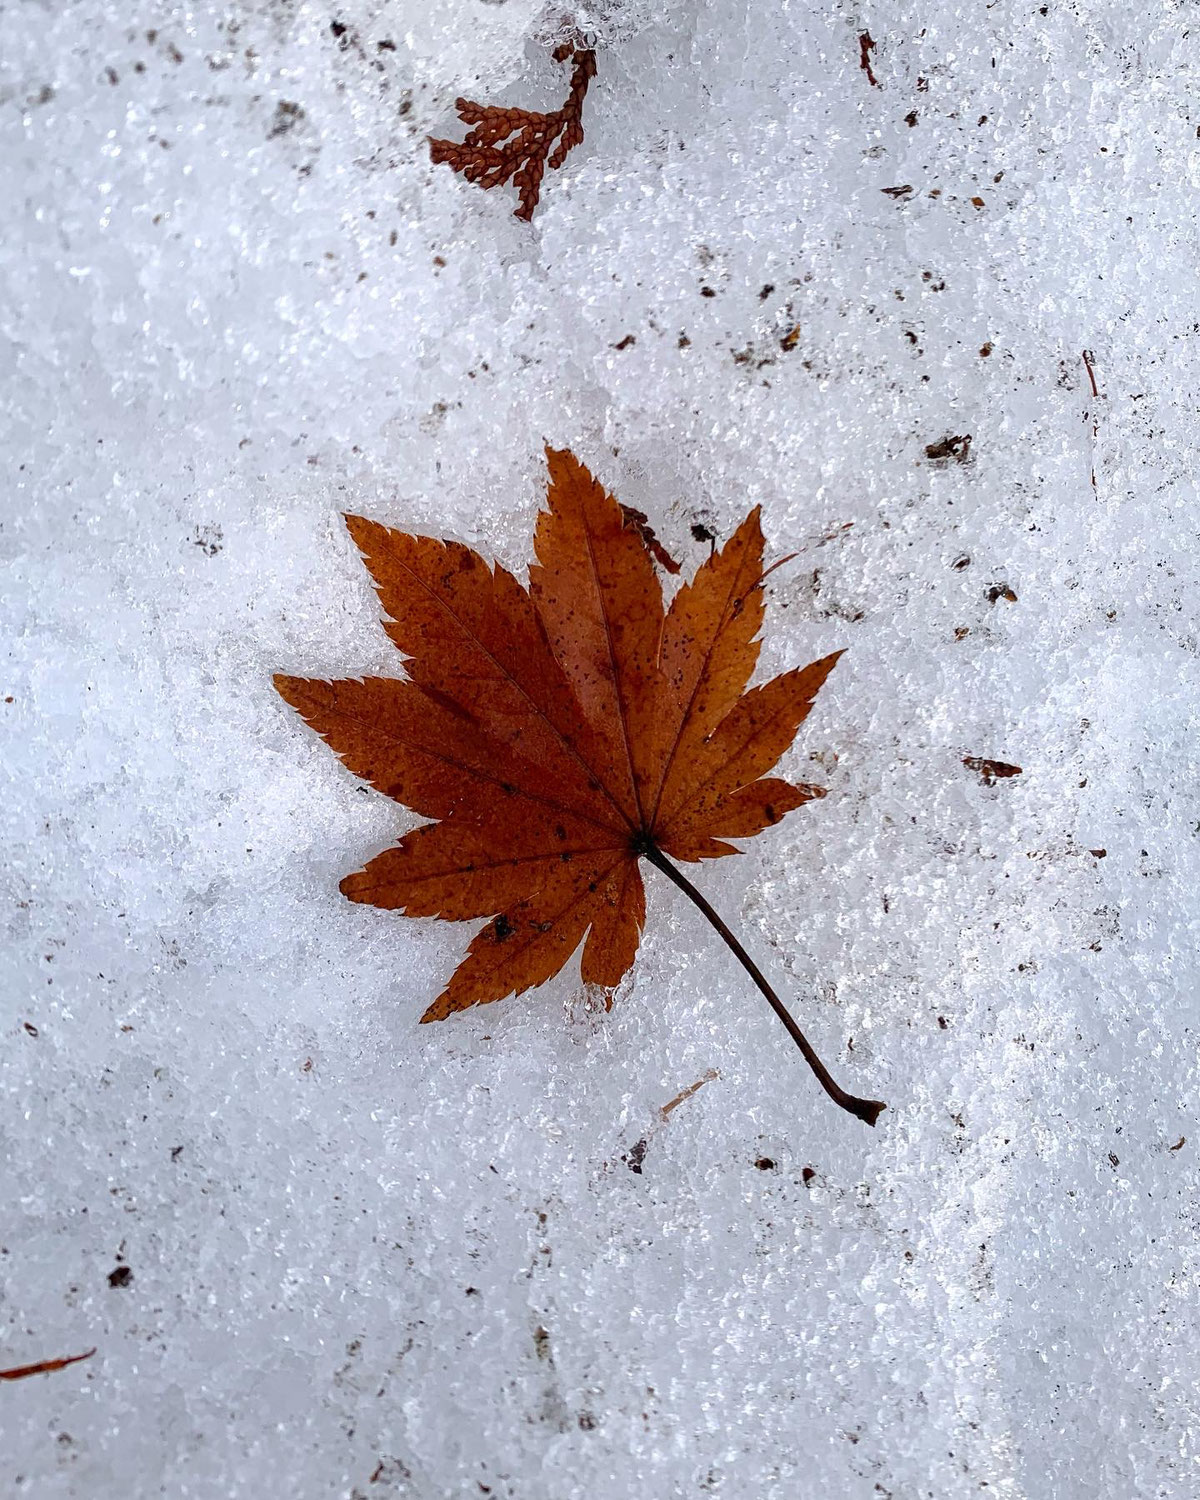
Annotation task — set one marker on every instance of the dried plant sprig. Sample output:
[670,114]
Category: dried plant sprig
[515,144]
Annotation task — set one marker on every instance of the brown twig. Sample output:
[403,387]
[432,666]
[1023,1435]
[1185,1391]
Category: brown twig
[515,144]
[688,1092]
[636,1154]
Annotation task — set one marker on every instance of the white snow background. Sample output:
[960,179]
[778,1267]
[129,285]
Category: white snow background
[370,1259]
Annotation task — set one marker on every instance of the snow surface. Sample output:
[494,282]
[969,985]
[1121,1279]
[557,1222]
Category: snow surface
[370,1259]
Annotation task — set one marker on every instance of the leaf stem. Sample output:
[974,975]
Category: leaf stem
[866,1109]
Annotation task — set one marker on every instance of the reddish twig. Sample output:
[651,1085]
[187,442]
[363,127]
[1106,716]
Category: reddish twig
[515,144]
[44,1367]
[1091,370]
[865,47]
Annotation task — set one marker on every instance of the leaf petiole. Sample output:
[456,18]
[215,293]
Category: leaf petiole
[866,1109]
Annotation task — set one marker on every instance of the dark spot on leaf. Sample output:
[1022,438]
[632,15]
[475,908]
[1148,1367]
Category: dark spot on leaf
[502,928]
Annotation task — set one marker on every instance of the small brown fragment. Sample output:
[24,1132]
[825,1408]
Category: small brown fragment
[641,524]
[990,770]
[790,339]
[1000,591]
[950,447]
[808,1173]
[1179,1144]
[986,350]
[905,190]
[627,342]
[122,1276]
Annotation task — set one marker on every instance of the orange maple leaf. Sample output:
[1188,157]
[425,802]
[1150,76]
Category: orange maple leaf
[558,734]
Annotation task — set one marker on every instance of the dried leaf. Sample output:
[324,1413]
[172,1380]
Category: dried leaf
[45,1366]
[515,144]
[557,734]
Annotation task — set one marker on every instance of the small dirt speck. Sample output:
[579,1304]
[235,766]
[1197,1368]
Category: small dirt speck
[288,114]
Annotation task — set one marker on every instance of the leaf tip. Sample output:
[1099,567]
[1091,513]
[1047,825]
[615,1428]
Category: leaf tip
[359,528]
